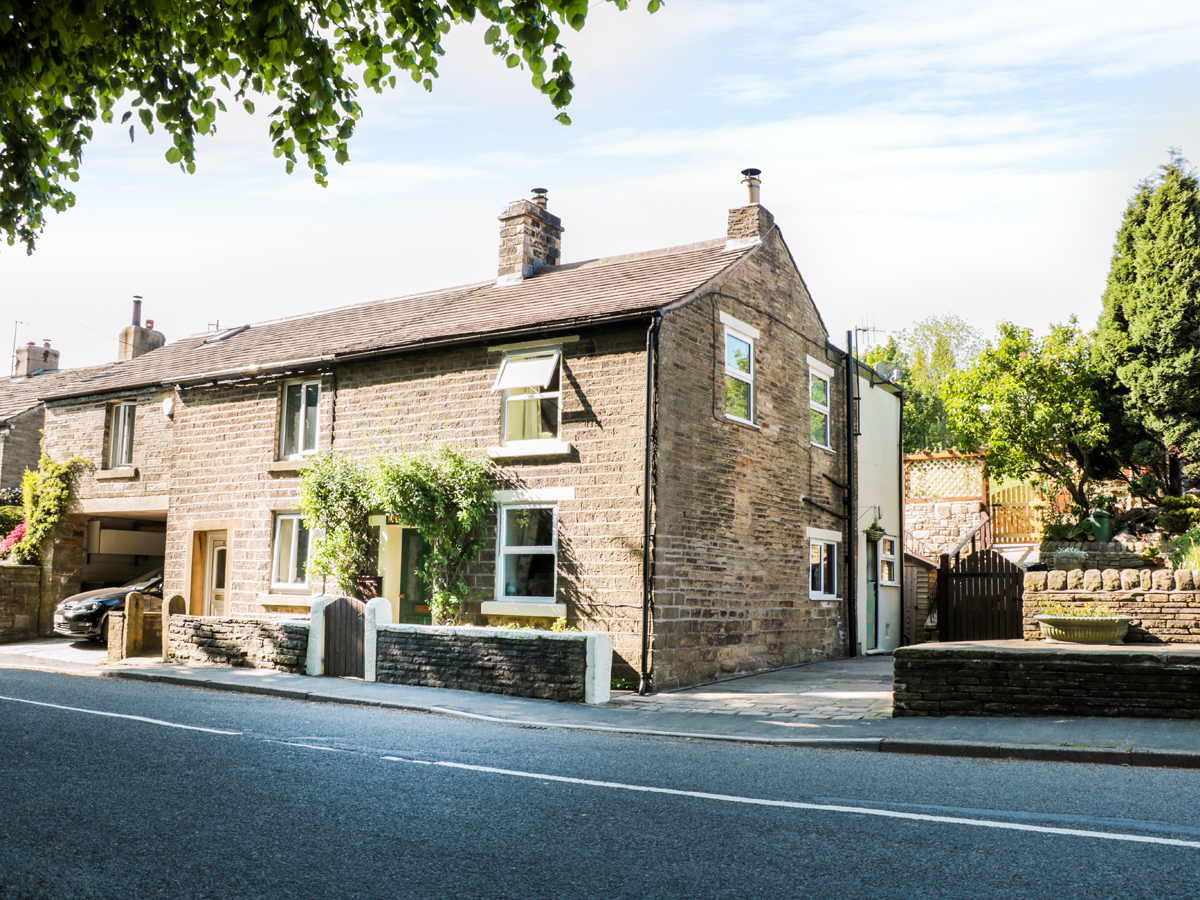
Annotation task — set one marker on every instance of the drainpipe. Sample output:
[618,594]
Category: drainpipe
[852,498]
[900,530]
[647,509]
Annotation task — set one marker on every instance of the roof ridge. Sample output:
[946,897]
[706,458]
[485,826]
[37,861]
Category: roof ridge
[641,254]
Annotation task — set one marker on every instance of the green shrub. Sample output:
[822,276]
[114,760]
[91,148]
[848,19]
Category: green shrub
[1090,611]
[1179,514]
[1187,550]
[10,518]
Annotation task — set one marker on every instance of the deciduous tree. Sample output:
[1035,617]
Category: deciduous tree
[66,63]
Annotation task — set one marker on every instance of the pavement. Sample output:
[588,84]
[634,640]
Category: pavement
[840,704]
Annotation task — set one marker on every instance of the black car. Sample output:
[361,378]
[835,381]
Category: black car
[86,615]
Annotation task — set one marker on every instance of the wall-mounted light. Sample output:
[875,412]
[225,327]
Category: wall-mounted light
[168,407]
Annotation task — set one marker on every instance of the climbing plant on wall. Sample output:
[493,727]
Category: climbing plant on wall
[46,491]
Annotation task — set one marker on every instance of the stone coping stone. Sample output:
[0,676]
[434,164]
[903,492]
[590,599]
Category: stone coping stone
[1186,654]
[475,631]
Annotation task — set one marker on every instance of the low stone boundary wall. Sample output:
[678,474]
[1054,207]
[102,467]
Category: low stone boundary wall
[1016,678]
[252,643]
[122,643]
[546,665]
[1164,604]
[20,600]
[1109,555]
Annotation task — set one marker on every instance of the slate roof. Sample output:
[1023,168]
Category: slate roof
[562,296]
[18,395]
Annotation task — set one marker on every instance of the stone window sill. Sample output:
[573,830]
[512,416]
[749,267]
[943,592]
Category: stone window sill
[529,449]
[745,423]
[286,466]
[548,610]
[276,599]
[123,473]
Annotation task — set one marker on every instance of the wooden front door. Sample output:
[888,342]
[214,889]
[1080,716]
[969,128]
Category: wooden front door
[345,632]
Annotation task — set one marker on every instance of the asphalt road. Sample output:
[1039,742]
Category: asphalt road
[262,797]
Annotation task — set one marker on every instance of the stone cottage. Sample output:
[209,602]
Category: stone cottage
[667,428]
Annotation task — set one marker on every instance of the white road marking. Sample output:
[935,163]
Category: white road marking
[616,729]
[308,746]
[112,715]
[818,807]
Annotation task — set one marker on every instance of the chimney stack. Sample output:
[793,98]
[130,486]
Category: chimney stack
[35,360]
[530,238]
[749,224]
[136,340]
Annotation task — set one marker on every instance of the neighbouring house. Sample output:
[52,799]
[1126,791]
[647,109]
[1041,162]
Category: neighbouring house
[22,414]
[670,430]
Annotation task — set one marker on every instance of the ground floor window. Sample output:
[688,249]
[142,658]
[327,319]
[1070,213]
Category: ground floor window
[527,551]
[289,568]
[822,568]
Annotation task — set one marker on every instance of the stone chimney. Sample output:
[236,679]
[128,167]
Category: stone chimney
[749,224]
[136,340]
[530,238]
[35,360]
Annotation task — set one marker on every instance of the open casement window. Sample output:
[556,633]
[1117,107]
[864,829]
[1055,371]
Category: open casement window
[887,561]
[300,404]
[528,552]
[120,434]
[822,569]
[289,565]
[818,401]
[739,376]
[531,385]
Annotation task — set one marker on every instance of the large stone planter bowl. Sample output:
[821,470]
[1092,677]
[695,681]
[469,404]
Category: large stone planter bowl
[1084,629]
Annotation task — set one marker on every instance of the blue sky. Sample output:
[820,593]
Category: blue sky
[920,157]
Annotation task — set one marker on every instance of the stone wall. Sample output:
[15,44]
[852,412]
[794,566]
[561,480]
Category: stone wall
[731,525]
[1164,604]
[120,643]
[488,660]
[1014,678]
[1118,554]
[932,528]
[20,599]
[251,643]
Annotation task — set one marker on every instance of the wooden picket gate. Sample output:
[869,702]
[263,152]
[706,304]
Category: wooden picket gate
[345,631]
[979,591]
[1015,518]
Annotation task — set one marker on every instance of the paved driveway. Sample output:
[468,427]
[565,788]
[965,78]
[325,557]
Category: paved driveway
[859,688]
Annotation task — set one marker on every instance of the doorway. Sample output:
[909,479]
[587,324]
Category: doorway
[871,633]
[216,556]
[401,557]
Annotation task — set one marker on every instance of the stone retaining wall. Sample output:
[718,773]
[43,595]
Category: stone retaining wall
[20,599]
[1164,604]
[1015,678]
[252,643]
[933,527]
[1109,555]
[543,665]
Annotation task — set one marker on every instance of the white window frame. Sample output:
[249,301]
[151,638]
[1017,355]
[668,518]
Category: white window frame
[831,547]
[814,406]
[743,334]
[888,557]
[303,451]
[122,419]
[508,397]
[503,551]
[280,518]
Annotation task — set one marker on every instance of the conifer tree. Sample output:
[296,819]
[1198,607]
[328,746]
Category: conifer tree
[1149,332]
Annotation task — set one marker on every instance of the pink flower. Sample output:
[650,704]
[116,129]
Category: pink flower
[13,539]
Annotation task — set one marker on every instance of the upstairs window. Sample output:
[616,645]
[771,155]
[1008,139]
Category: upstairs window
[120,434]
[818,400]
[289,568]
[531,385]
[301,402]
[739,376]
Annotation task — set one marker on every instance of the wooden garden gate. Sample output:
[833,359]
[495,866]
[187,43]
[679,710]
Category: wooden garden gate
[979,591]
[345,631]
[1015,518]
